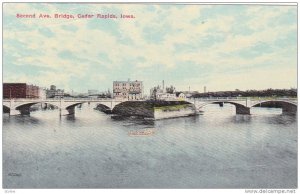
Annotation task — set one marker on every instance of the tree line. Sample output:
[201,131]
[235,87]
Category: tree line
[250,93]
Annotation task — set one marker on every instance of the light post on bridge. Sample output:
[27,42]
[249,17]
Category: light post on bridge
[9,98]
[60,106]
[247,99]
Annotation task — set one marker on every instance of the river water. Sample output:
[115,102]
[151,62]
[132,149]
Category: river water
[216,149]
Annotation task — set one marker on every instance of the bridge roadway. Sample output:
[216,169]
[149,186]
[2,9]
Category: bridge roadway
[67,105]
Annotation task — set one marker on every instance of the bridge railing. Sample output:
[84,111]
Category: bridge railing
[88,99]
[217,98]
[23,99]
[64,99]
[123,100]
[244,98]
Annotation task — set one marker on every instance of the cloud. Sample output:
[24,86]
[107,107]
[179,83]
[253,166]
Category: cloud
[71,28]
[46,32]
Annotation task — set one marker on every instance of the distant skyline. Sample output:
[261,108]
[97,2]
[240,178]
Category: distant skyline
[222,47]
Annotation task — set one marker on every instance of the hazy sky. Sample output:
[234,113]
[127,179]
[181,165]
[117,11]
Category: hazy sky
[222,47]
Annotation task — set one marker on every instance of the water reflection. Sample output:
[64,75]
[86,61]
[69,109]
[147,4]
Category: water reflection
[132,120]
[241,118]
[70,117]
[21,119]
[281,119]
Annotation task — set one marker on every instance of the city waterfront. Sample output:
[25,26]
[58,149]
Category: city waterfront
[216,149]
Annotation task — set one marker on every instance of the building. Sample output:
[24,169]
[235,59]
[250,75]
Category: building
[20,90]
[156,90]
[52,87]
[131,90]
[180,96]
[189,94]
[50,93]
[42,93]
[59,93]
[165,96]
[163,93]
[54,93]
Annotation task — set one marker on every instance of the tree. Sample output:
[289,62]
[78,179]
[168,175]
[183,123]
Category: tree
[170,89]
[154,93]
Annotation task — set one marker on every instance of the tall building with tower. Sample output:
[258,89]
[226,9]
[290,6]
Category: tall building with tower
[53,92]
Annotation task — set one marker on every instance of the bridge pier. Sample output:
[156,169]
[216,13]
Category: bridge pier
[71,110]
[242,110]
[289,110]
[66,111]
[14,112]
[63,112]
[25,110]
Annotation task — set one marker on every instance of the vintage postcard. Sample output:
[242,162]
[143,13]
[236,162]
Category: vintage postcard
[150,95]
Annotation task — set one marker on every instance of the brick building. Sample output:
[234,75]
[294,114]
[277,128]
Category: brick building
[20,90]
[130,90]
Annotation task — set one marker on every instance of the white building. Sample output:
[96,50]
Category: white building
[180,96]
[130,90]
[59,94]
[160,93]
[165,96]
[42,93]
[156,90]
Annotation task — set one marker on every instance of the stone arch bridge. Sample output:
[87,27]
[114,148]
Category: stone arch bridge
[243,105]
[67,106]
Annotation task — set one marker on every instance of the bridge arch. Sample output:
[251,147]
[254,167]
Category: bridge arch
[286,106]
[24,108]
[77,103]
[6,109]
[219,102]
[29,104]
[71,107]
[240,108]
